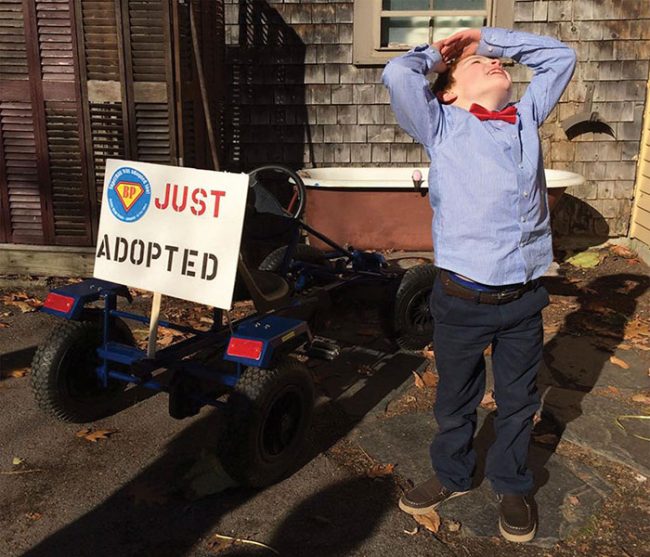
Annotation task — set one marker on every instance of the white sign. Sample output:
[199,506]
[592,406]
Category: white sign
[171,230]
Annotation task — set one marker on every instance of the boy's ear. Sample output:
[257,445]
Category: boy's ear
[446,97]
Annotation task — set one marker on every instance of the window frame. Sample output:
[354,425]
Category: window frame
[367,29]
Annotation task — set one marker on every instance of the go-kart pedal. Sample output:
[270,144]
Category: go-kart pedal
[323,349]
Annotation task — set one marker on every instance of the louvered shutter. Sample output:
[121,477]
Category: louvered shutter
[20,203]
[44,188]
[149,81]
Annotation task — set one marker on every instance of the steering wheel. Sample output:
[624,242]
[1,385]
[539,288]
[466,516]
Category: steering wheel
[277,190]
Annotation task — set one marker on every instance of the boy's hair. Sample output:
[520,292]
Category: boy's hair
[444,80]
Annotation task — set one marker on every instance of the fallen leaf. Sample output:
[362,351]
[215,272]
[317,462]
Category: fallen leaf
[17,461]
[645,399]
[418,380]
[381,470]
[618,362]
[92,436]
[585,259]
[488,401]
[33,516]
[622,251]
[4,325]
[573,500]
[428,353]
[429,378]
[640,478]
[453,526]
[536,419]
[613,390]
[431,521]
[16,373]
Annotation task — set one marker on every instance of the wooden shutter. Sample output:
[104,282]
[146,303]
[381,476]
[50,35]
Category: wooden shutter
[44,187]
[149,80]
[20,206]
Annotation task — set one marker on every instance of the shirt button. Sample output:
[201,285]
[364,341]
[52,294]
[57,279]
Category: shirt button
[525,194]
[521,166]
[490,48]
[523,219]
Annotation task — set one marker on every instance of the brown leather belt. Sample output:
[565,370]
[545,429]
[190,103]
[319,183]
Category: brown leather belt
[496,297]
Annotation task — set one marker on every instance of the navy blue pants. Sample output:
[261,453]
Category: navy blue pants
[463,330]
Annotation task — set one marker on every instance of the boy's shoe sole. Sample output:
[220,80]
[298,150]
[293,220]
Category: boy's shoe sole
[517,538]
[426,510]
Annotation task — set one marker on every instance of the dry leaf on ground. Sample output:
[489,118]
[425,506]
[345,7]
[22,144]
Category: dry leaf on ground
[645,399]
[22,301]
[419,383]
[381,470]
[16,373]
[622,251]
[613,390]
[428,353]
[89,435]
[4,325]
[488,401]
[429,378]
[453,526]
[618,362]
[33,516]
[431,521]
[573,500]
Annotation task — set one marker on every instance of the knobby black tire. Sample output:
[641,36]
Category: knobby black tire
[68,355]
[412,320]
[250,413]
[303,252]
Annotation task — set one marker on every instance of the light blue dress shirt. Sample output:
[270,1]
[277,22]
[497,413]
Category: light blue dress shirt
[486,179]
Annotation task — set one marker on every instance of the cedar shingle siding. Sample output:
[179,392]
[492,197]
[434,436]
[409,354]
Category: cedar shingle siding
[81,81]
[309,105]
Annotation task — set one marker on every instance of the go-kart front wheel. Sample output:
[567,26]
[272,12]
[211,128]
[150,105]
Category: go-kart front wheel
[412,320]
[268,417]
[63,376]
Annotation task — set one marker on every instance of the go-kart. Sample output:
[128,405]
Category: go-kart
[89,362]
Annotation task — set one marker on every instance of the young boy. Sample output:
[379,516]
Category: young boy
[492,242]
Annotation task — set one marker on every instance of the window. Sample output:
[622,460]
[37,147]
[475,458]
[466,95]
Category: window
[386,28]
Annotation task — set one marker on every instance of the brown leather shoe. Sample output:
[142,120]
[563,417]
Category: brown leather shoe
[517,517]
[425,497]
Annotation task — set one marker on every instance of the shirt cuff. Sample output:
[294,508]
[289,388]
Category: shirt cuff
[432,55]
[491,40]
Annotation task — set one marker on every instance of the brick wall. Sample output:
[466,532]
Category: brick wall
[297,98]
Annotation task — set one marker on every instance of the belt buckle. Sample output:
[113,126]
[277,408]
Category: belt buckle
[506,295]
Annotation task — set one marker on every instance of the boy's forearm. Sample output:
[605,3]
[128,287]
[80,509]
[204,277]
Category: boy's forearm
[526,48]
[413,104]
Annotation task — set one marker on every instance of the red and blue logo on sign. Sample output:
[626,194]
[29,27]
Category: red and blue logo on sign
[129,194]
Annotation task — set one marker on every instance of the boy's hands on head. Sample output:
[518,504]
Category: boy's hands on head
[460,44]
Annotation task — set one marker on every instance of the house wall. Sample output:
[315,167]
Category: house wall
[307,104]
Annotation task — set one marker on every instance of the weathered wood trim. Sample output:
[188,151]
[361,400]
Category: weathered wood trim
[639,215]
[51,261]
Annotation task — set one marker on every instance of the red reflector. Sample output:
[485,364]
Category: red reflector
[245,348]
[57,302]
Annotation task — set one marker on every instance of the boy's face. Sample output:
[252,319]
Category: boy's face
[478,76]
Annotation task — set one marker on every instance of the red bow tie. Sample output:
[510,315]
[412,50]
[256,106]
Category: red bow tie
[508,114]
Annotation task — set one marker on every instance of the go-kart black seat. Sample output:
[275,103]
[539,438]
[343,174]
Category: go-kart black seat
[267,290]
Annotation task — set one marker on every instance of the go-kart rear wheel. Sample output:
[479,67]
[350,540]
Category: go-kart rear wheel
[268,417]
[63,376]
[303,252]
[412,320]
